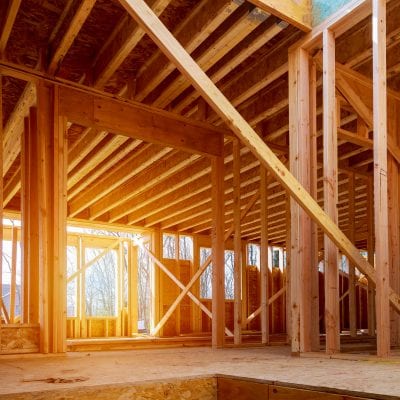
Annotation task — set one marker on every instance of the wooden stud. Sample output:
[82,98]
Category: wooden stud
[371,255]
[81,297]
[133,271]
[352,270]
[13,288]
[314,258]
[156,307]
[237,245]
[380,177]
[30,221]
[264,264]
[332,320]
[288,275]
[218,257]
[300,157]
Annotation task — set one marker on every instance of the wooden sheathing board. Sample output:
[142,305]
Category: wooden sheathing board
[199,388]
[19,338]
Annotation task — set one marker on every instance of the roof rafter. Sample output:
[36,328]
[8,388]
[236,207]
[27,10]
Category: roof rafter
[67,33]
[12,12]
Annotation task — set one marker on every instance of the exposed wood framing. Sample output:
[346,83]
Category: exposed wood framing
[13,291]
[371,256]
[237,246]
[123,40]
[177,54]
[314,260]
[380,177]
[217,255]
[15,125]
[297,13]
[52,219]
[191,33]
[301,267]
[331,256]
[65,37]
[264,264]
[12,12]
[140,122]
[181,286]
[30,162]
[352,271]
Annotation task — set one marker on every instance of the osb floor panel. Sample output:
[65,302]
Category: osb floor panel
[32,373]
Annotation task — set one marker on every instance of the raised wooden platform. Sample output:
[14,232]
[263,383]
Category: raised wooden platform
[174,374]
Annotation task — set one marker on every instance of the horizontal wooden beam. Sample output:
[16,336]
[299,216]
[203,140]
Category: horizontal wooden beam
[140,122]
[296,12]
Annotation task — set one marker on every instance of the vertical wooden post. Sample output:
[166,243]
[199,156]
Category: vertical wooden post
[13,273]
[52,219]
[288,270]
[196,324]
[330,112]
[371,255]
[119,292]
[156,304]
[132,289]
[218,259]
[352,270]
[380,177]
[315,340]
[30,163]
[301,234]
[394,221]
[264,267]
[237,244]
[245,299]
[82,288]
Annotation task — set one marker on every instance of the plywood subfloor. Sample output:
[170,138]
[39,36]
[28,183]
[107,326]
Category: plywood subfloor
[18,375]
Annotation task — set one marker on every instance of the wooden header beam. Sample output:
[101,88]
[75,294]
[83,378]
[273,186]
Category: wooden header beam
[297,13]
[140,122]
[171,47]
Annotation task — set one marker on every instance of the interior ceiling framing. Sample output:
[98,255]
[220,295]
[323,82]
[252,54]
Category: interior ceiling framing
[115,178]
